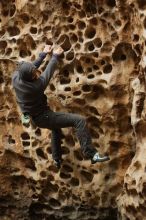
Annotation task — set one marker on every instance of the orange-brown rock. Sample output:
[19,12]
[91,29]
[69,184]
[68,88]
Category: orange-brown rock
[102,77]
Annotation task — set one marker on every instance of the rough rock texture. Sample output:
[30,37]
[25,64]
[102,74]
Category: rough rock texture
[101,77]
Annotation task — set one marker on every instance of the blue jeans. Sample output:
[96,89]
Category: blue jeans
[57,120]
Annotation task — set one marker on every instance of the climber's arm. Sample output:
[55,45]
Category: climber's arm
[42,56]
[50,69]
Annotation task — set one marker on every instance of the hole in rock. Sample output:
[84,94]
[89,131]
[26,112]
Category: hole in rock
[73,38]
[76,93]
[45,15]
[141,4]
[70,55]
[100,10]
[47,28]
[12,10]
[25,18]
[35,197]
[136,37]
[123,57]
[93,21]
[57,33]
[114,164]
[26,143]
[71,27]
[5,13]
[70,19]
[86,88]
[93,110]
[51,178]
[64,42]
[64,80]
[114,36]
[23,53]
[67,89]
[62,97]
[88,60]
[33,30]
[66,5]
[98,42]
[8,51]
[3,45]
[96,55]
[49,150]
[34,143]
[91,47]
[107,177]
[77,6]
[123,50]
[38,132]
[65,72]
[78,155]
[65,150]
[78,46]
[1,79]
[65,175]
[69,140]
[82,14]
[77,79]
[25,136]
[111,3]
[2,32]
[86,176]
[98,89]
[90,76]
[144,189]
[67,168]
[54,203]
[79,69]
[144,23]
[52,87]
[81,25]
[89,69]
[81,40]
[90,7]
[43,174]
[118,23]
[107,68]
[138,49]
[74,181]
[95,67]
[93,121]
[41,154]
[13,31]
[90,32]
[79,101]
[102,62]
[26,152]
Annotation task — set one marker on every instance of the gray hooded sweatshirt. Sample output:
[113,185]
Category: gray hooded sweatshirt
[30,93]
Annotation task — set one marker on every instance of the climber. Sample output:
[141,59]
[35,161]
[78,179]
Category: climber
[29,87]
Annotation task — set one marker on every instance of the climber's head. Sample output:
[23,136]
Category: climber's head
[28,71]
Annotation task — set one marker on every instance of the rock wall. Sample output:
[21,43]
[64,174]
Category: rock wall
[101,76]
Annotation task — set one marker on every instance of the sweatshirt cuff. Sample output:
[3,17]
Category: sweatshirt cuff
[56,56]
[42,55]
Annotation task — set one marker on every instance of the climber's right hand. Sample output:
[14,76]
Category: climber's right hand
[58,51]
[47,49]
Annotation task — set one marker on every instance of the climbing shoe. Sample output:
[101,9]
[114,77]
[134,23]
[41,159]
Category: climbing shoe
[97,158]
[57,163]
[25,119]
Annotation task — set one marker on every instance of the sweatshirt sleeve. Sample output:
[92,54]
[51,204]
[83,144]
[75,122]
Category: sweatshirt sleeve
[48,73]
[40,59]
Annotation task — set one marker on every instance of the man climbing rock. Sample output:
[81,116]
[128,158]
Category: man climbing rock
[29,87]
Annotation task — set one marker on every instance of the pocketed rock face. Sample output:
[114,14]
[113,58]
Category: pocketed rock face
[101,77]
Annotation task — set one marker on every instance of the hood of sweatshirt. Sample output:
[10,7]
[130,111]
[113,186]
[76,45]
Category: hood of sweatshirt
[25,71]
